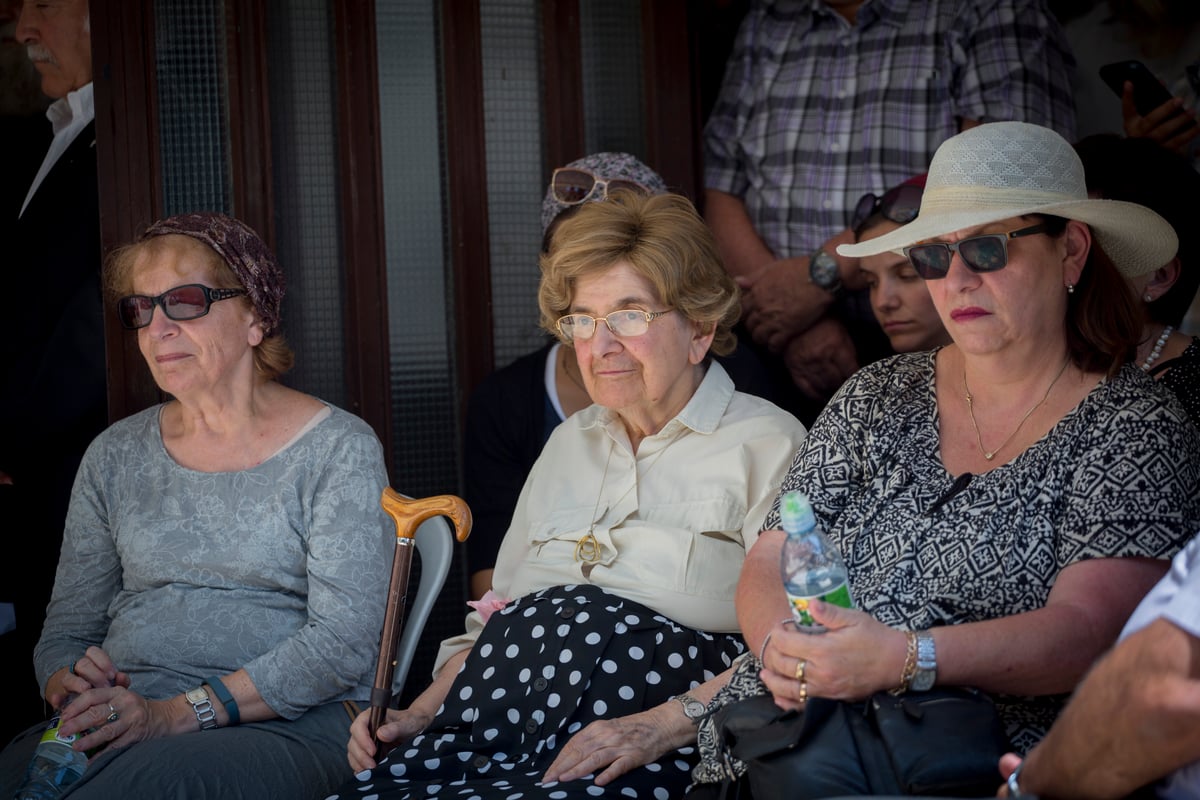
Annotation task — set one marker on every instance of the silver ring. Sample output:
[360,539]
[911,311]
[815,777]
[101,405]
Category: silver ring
[71,669]
[113,716]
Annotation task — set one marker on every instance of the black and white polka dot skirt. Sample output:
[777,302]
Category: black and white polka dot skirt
[544,667]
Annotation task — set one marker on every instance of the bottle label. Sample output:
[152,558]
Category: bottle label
[804,621]
[51,733]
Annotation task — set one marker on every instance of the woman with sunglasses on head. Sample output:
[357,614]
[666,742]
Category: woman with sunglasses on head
[1002,502]
[618,570]
[513,411]
[511,414]
[899,299]
[225,559]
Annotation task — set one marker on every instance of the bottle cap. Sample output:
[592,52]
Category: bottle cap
[795,513]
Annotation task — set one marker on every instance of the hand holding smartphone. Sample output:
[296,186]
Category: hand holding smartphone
[1148,91]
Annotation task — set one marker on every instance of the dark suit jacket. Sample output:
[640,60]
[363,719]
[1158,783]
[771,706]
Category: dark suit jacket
[52,387]
[52,374]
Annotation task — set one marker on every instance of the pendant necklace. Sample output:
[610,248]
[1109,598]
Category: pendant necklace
[1028,414]
[588,548]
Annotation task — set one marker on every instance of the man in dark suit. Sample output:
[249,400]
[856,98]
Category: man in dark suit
[52,371]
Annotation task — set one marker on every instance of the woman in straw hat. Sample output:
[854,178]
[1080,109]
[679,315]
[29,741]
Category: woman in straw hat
[1004,501]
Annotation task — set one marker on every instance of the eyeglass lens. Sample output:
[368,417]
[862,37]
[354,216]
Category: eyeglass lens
[987,253]
[180,304]
[627,323]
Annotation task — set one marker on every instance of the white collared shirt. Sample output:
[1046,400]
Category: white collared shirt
[68,116]
[671,523]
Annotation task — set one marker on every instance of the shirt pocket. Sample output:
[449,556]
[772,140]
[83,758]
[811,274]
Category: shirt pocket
[698,547]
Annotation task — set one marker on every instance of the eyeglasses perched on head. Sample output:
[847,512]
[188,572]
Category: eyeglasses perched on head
[899,204]
[572,185]
[185,302]
[986,253]
[626,323]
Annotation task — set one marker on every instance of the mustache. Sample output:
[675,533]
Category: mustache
[37,52]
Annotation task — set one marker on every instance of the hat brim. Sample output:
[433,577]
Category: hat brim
[1137,240]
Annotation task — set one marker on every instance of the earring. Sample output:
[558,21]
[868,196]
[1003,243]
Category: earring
[1149,298]
[1070,288]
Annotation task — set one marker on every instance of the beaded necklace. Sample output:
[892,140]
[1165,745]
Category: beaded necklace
[1158,348]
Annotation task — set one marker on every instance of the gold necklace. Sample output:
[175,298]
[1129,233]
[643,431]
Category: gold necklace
[588,549]
[1028,414]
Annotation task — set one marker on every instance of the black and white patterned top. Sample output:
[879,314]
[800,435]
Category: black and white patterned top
[1183,378]
[1119,475]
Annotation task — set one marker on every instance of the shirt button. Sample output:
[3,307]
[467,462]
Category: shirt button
[540,684]
[531,726]
[566,613]
[480,762]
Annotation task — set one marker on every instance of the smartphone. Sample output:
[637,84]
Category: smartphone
[1148,91]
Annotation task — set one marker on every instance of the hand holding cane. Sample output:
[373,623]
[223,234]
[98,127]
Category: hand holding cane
[408,514]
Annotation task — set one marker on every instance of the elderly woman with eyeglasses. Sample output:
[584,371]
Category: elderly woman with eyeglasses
[225,558]
[1002,502]
[616,576]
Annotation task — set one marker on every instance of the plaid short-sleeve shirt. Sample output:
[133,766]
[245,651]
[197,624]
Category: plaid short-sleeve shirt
[814,112]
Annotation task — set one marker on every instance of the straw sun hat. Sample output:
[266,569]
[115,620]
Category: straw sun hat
[1006,169]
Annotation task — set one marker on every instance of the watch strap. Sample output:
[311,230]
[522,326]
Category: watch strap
[206,715]
[925,674]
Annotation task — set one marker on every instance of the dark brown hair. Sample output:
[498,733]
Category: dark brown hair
[1103,322]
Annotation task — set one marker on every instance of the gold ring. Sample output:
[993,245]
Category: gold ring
[803,692]
[801,665]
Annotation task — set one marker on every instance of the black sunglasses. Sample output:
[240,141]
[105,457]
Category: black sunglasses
[899,204]
[185,302]
[986,253]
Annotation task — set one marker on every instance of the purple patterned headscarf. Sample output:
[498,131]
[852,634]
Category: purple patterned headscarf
[242,249]
[608,167]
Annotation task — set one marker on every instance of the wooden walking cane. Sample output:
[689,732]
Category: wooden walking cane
[408,514]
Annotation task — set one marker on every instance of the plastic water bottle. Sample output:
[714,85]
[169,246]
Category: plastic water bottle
[54,767]
[811,565]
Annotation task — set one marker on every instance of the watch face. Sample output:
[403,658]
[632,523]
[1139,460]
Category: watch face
[923,680]
[823,270]
[197,695]
[694,709]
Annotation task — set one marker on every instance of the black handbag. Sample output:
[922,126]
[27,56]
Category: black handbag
[944,742]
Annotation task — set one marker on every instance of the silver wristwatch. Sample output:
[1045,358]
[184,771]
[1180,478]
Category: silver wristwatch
[692,708]
[206,715]
[926,672]
[823,271]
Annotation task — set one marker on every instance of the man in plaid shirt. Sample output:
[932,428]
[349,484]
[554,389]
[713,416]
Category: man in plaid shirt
[825,100]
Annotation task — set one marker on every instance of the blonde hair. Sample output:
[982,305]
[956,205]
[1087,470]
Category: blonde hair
[664,239]
[272,356]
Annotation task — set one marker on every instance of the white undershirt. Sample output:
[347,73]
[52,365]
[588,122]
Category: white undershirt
[552,380]
[68,116]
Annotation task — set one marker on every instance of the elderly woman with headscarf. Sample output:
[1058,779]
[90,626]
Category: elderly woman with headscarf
[225,562]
